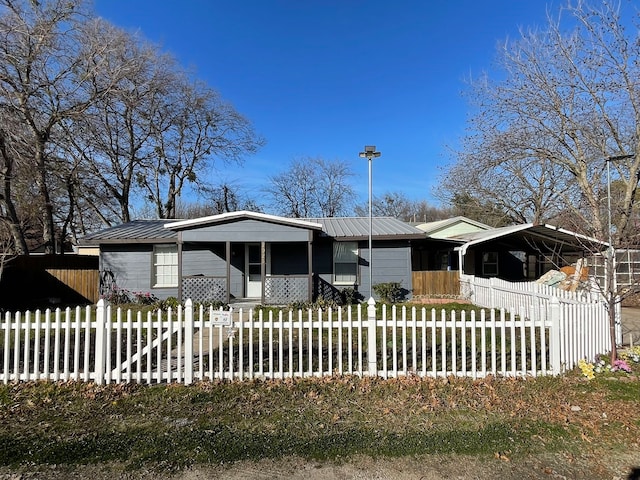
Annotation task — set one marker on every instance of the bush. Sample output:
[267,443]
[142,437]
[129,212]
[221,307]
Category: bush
[389,292]
[144,298]
[349,296]
[169,302]
[118,296]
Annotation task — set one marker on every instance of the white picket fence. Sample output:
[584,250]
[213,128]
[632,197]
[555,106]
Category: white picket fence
[519,296]
[187,345]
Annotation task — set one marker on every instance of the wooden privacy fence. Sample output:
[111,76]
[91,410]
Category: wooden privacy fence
[83,281]
[437,283]
[186,345]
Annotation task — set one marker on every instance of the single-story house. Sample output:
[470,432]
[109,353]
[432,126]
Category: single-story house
[249,255]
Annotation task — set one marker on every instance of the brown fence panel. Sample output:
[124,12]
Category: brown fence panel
[85,282]
[437,283]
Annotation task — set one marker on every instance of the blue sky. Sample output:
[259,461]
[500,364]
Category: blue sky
[326,77]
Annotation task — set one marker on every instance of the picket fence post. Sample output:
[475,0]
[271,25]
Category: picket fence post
[188,342]
[371,340]
[100,346]
[555,333]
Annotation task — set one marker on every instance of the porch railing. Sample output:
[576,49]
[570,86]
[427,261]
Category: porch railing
[201,288]
[284,289]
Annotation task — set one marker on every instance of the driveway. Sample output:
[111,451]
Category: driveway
[631,325]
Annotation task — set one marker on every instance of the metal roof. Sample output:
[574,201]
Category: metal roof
[432,227]
[382,228]
[137,231]
[540,234]
[239,215]
[355,228]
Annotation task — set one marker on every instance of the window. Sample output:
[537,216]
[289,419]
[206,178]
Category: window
[490,264]
[165,266]
[345,263]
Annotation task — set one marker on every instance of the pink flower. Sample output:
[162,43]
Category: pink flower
[621,365]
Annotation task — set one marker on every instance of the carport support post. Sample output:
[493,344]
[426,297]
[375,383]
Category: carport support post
[371,340]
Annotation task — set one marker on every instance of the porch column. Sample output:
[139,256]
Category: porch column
[228,275]
[263,269]
[180,267]
[310,265]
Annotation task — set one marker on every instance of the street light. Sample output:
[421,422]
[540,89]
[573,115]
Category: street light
[370,153]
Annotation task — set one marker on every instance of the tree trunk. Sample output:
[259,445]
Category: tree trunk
[48,231]
[11,219]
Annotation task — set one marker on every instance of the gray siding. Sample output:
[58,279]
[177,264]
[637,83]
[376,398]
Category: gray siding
[247,231]
[391,263]
[203,260]
[132,268]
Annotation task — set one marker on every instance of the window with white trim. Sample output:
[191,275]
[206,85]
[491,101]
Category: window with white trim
[345,263]
[165,266]
[490,264]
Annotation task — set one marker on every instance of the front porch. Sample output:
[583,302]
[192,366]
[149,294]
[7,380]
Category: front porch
[268,273]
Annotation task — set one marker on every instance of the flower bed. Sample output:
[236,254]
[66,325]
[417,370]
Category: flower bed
[628,363]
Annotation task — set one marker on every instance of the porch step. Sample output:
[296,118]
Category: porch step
[244,304]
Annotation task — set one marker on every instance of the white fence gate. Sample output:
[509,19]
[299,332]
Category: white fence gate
[106,345]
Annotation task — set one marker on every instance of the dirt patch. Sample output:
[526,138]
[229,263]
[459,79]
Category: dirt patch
[616,466]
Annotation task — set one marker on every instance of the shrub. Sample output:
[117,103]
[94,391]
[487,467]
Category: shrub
[389,292]
[144,298]
[349,296]
[118,296]
[169,302]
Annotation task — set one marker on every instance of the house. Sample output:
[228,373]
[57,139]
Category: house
[249,255]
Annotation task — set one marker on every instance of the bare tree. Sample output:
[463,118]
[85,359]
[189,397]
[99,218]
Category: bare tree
[9,143]
[398,205]
[194,129]
[7,245]
[522,187]
[48,60]
[218,199]
[567,99]
[115,139]
[311,187]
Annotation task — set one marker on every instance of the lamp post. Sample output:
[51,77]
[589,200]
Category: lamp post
[611,260]
[370,153]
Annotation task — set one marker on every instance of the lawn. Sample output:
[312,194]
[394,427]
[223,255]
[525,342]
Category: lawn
[170,428]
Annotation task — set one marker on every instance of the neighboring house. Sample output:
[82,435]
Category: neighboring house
[437,252]
[248,255]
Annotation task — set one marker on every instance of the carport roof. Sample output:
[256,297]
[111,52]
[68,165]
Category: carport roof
[530,232]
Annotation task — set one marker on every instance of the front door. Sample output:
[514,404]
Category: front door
[253,271]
